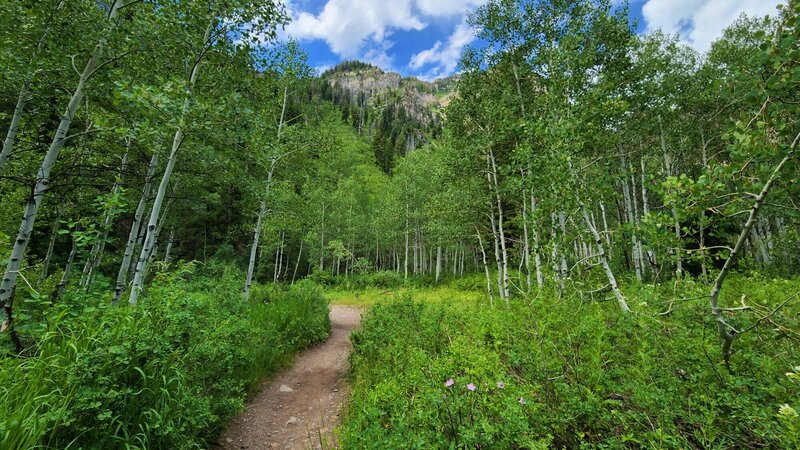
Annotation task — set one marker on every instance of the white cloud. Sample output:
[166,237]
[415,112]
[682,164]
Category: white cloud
[443,56]
[347,25]
[444,8]
[700,22]
[361,28]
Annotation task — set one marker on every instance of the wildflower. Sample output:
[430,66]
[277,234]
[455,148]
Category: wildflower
[449,382]
[501,385]
[471,387]
[787,411]
[521,401]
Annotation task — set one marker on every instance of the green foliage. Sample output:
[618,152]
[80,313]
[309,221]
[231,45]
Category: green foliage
[575,374]
[166,374]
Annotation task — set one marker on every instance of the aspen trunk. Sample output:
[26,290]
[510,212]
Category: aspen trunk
[626,194]
[22,99]
[537,257]
[297,264]
[405,262]
[500,226]
[43,175]
[438,262]
[50,247]
[676,219]
[497,255]
[601,253]
[13,128]
[485,268]
[726,333]
[526,246]
[168,249]
[254,251]
[562,223]
[98,248]
[133,236]
[62,284]
[177,141]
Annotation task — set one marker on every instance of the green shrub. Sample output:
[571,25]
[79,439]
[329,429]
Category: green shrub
[576,374]
[167,373]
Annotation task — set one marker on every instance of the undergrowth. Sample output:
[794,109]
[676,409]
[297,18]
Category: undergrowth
[576,373]
[167,373]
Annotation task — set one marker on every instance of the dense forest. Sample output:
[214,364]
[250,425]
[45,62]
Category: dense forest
[595,234]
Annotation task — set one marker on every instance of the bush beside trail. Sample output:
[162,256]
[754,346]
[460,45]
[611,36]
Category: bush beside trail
[575,373]
[167,373]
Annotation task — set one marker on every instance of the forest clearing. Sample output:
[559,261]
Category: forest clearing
[245,224]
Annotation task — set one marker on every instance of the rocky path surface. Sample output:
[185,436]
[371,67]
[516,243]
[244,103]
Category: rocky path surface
[299,408]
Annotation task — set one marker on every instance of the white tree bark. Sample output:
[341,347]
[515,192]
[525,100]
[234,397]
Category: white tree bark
[500,226]
[177,141]
[297,264]
[526,245]
[626,194]
[22,98]
[51,246]
[168,249]
[677,252]
[405,261]
[727,333]
[43,175]
[98,248]
[485,267]
[133,235]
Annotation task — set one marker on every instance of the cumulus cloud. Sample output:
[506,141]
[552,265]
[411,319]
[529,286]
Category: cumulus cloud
[347,24]
[362,28]
[445,8]
[443,56]
[700,22]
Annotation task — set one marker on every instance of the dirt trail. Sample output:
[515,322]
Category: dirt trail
[299,408]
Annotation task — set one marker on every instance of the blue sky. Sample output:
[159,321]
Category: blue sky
[424,38]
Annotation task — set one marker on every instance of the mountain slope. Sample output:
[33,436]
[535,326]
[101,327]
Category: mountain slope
[396,114]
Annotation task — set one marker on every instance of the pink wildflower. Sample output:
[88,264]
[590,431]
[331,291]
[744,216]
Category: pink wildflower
[449,382]
[471,387]
[501,385]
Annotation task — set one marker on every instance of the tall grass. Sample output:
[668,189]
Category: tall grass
[165,374]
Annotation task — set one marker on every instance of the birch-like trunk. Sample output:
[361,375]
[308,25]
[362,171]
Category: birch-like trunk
[168,249]
[526,245]
[9,281]
[677,252]
[405,261]
[22,98]
[438,262]
[562,223]
[177,141]
[626,194]
[651,254]
[50,247]
[297,264]
[727,333]
[500,226]
[133,235]
[485,268]
[254,251]
[537,256]
[601,253]
[62,284]
[98,248]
